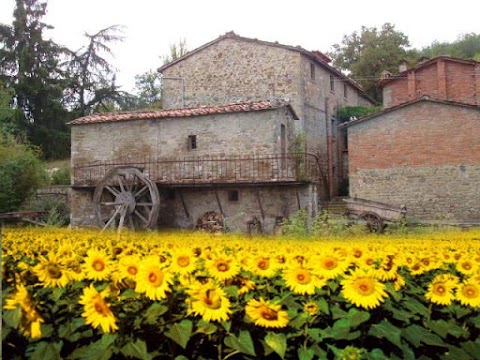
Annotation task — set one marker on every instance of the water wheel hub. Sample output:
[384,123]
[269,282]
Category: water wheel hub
[127,199]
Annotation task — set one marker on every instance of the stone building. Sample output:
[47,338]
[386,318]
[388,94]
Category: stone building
[423,150]
[237,160]
[233,68]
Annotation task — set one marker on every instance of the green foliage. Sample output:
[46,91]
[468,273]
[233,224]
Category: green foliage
[55,210]
[149,90]
[61,175]
[365,54]
[346,113]
[21,173]
[467,46]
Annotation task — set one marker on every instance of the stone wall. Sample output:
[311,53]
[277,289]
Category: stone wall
[236,68]
[425,155]
[275,201]
[257,132]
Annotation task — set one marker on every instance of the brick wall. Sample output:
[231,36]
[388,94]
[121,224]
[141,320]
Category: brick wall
[425,156]
[442,78]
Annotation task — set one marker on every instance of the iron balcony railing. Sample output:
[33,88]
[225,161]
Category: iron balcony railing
[210,169]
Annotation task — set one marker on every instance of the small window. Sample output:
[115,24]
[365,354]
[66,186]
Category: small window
[332,83]
[345,90]
[233,195]
[192,142]
[312,71]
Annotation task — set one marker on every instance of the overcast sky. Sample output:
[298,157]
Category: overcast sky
[151,26]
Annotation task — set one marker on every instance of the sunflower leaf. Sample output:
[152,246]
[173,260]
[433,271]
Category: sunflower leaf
[416,335]
[180,333]
[278,343]
[45,350]
[154,311]
[137,350]
[305,354]
[243,343]
[12,317]
[356,317]
[385,330]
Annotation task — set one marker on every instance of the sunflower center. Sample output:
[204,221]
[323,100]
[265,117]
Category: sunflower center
[470,292]
[101,307]
[98,265]
[268,314]
[440,290]
[303,277]
[155,277]
[132,270]
[54,272]
[369,262]
[263,264]
[212,300]
[183,261]
[330,264]
[223,266]
[467,266]
[357,253]
[365,287]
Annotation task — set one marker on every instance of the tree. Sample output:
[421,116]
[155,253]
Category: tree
[21,173]
[364,55]
[467,46]
[149,84]
[30,65]
[91,76]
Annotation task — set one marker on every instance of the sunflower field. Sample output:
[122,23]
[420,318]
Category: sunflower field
[82,294]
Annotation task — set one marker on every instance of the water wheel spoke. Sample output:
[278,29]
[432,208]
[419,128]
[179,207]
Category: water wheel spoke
[122,217]
[130,221]
[136,212]
[112,218]
[110,203]
[145,204]
[121,182]
[114,191]
[141,191]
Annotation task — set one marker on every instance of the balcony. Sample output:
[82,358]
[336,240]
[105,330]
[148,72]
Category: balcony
[210,170]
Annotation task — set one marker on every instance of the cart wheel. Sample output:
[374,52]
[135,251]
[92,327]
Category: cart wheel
[126,197]
[374,222]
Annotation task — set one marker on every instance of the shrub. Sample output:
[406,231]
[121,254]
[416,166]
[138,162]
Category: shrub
[61,176]
[21,173]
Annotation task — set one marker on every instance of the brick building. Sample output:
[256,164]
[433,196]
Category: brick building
[237,160]
[442,78]
[423,150]
[233,68]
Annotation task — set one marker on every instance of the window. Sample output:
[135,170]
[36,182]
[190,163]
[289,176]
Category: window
[332,83]
[312,71]
[192,142]
[345,90]
[233,195]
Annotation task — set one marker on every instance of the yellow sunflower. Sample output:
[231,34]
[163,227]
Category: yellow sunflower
[363,289]
[128,267]
[152,279]
[51,272]
[263,266]
[440,290]
[97,311]
[266,314]
[183,262]
[209,301]
[243,284]
[97,265]
[311,308]
[467,267]
[330,266]
[302,280]
[468,293]
[222,268]
[30,321]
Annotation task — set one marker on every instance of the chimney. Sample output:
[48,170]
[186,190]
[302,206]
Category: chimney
[402,65]
[385,75]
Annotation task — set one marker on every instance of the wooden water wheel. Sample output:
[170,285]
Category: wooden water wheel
[126,197]
[373,221]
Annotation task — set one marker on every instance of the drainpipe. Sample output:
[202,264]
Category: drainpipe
[183,87]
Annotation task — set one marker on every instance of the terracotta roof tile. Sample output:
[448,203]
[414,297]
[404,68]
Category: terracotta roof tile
[246,106]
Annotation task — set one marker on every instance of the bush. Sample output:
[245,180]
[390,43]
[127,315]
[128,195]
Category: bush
[61,176]
[21,173]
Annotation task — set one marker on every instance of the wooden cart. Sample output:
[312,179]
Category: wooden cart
[374,213]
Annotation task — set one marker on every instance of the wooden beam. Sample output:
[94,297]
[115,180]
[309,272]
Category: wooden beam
[298,200]
[184,204]
[257,193]
[218,202]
